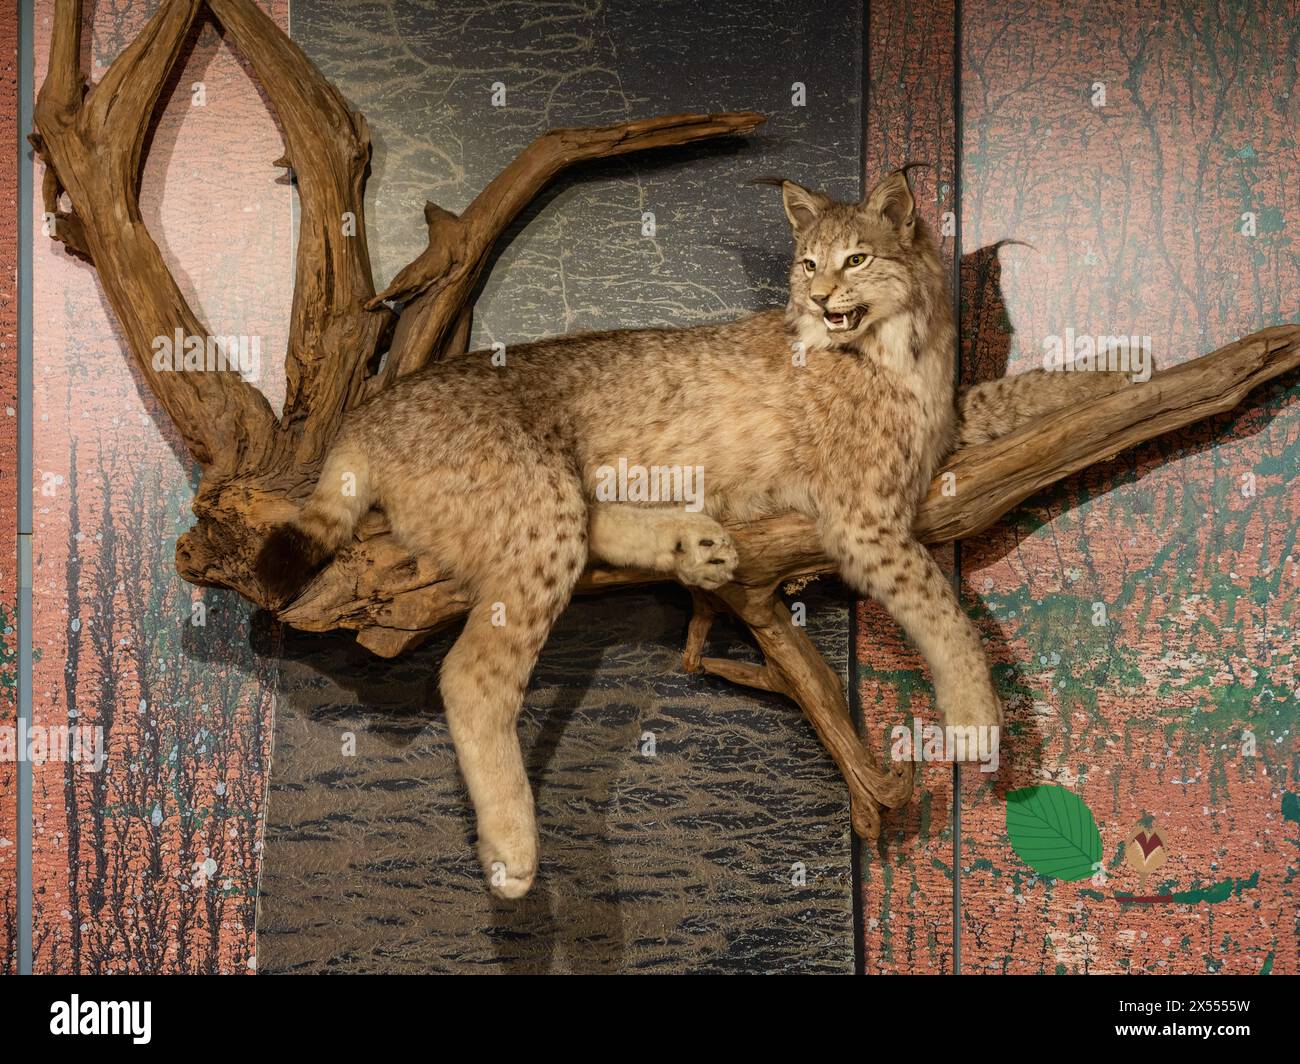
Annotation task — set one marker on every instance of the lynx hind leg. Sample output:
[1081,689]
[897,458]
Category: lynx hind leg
[485,673]
[691,546]
[900,574]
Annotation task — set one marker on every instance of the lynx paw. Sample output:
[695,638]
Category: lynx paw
[703,554]
[509,870]
[975,706]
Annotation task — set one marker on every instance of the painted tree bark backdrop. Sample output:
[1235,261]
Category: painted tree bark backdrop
[1148,154]
[121,861]
[907,881]
[1169,210]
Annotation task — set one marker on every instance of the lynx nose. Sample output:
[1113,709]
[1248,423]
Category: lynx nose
[821,296]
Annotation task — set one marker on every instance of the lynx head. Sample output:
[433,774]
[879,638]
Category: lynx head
[857,265]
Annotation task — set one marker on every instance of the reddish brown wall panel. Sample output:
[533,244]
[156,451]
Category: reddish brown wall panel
[8,486]
[906,881]
[150,864]
[1181,706]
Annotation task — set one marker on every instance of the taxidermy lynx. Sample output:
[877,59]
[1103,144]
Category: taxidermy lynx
[840,407]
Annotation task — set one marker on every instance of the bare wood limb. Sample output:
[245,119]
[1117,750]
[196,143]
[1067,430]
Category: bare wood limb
[795,668]
[120,108]
[441,279]
[61,92]
[253,465]
[93,148]
[744,674]
[703,613]
[792,667]
[66,227]
[994,477]
[332,335]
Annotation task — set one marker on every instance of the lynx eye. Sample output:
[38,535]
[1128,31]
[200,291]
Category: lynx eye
[809,266]
[857,260]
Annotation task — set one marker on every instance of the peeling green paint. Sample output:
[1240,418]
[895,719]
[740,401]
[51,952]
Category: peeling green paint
[1291,806]
[1217,892]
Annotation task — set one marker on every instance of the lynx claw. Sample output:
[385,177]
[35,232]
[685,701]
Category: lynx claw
[508,878]
[705,558]
[504,885]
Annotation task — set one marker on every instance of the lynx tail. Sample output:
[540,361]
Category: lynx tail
[296,551]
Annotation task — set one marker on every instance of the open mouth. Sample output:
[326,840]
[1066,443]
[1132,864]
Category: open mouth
[836,321]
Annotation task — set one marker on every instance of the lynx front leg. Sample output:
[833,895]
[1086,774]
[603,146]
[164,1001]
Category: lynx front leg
[691,546]
[901,575]
[523,583]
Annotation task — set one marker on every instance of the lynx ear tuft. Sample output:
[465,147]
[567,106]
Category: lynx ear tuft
[802,207]
[892,200]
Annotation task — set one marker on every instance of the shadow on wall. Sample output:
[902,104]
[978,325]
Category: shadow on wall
[671,809]
[988,344]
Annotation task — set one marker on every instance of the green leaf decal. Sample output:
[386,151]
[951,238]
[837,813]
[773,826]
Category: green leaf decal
[1053,832]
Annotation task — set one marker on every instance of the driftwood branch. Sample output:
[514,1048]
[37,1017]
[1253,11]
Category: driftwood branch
[256,468]
[438,283]
[997,476]
[92,145]
[332,335]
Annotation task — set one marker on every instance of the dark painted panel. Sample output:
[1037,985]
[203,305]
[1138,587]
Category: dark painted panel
[679,859]
[683,861]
